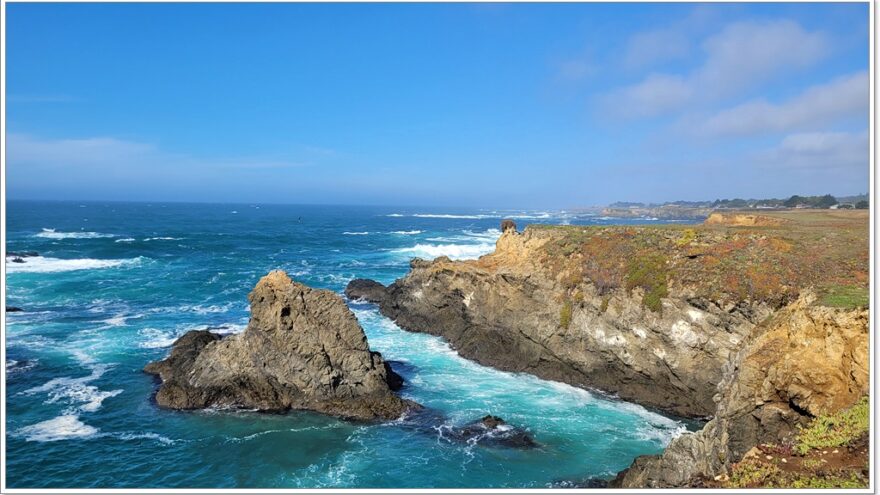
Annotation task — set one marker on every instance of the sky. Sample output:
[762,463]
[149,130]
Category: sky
[473,105]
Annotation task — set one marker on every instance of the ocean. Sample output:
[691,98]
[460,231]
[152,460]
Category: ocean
[115,283]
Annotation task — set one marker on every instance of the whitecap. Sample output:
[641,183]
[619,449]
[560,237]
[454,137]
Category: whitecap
[356,233]
[451,216]
[125,239]
[64,427]
[203,310]
[163,239]
[39,264]
[52,234]
[156,339]
[453,251]
[408,232]
[145,436]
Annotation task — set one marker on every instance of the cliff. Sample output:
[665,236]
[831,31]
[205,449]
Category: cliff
[700,321]
[302,349]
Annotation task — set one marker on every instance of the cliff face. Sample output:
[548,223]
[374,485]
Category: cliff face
[759,325]
[302,349]
[512,313]
[806,361]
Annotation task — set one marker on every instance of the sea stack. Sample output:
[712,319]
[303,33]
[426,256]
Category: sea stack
[302,349]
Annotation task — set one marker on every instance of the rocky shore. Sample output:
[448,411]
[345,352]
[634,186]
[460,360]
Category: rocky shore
[758,324]
[302,349]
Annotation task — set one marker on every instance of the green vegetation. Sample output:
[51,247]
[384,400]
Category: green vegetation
[751,474]
[686,238]
[842,296]
[853,480]
[836,429]
[648,272]
[565,314]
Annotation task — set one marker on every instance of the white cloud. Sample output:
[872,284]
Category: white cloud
[111,153]
[816,107]
[820,150]
[742,55]
[653,47]
[657,94]
[24,148]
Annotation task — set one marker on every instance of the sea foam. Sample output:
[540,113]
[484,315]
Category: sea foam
[63,427]
[39,264]
[52,234]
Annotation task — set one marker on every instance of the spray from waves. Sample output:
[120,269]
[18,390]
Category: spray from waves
[453,251]
[39,264]
[52,234]
[155,338]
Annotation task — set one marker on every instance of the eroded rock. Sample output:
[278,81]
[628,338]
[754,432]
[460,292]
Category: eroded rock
[303,349]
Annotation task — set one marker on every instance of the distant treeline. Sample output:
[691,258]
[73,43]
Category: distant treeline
[796,201]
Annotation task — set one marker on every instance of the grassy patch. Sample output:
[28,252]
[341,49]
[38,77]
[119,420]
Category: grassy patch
[565,314]
[842,296]
[648,272]
[836,429]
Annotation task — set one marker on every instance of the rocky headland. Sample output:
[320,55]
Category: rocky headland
[756,323]
[302,349]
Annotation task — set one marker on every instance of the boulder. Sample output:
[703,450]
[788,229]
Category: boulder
[508,224]
[13,309]
[368,290]
[494,431]
[302,349]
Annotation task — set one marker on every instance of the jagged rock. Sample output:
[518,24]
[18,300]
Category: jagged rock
[303,349]
[503,310]
[508,224]
[368,290]
[805,362]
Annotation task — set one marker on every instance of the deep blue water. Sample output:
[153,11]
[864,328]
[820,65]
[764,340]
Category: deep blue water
[116,283]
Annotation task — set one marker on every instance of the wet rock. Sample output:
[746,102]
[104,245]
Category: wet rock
[365,289]
[21,254]
[494,431]
[13,309]
[303,349]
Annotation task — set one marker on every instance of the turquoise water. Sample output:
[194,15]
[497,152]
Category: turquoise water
[116,283]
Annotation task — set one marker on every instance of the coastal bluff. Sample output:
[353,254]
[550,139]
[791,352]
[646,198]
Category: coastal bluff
[757,326]
[302,349]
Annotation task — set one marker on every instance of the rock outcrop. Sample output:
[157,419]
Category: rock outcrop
[365,289]
[805,362]
[757,322]
[504,310]
[302,349]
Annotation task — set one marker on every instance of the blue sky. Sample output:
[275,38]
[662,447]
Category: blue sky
[488,105]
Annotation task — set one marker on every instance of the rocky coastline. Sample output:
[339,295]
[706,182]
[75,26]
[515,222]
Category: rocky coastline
[736,321]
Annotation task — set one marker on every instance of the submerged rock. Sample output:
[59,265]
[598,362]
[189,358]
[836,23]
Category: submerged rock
[303,349]
[368,290]
[22,254]
[13,309]
[494,431]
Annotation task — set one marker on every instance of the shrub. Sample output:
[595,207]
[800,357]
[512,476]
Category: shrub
[649,273]
[836,429]
[565,314]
